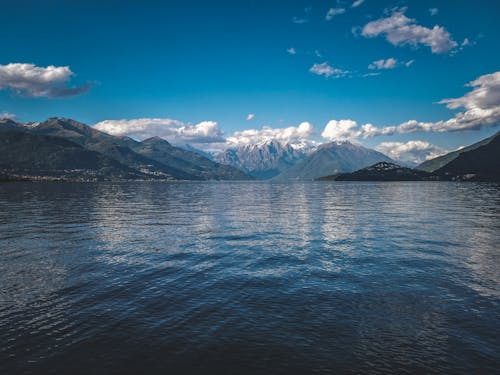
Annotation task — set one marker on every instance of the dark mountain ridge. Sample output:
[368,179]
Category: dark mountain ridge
[480,163]
[28,156]
[179,165]
[383,171]
[160,150]
[440,161]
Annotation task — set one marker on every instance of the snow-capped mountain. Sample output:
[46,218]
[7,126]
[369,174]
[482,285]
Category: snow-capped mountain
[331,158]
[265,160]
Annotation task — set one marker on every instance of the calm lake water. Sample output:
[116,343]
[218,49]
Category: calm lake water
[231,278]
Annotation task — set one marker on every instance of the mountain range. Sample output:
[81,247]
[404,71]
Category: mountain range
[150,159]
[478,162]
[265,160]
[332,158]
[33,156]
[60,148]
[439,162]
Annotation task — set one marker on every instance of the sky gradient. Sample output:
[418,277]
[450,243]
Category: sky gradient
[215,73]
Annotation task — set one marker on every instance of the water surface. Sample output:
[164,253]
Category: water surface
[232,278]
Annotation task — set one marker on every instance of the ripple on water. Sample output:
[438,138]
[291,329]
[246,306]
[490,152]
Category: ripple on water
[249,278]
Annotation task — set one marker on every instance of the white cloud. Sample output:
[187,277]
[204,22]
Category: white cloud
[173,131]
[250,116]
[357,3]
[332,12]
[7,115]
[484,96]
[390,63]
[465,44]
[291,134]
[411,151]
[328,71]
[371,74]
[482,108]
[340,130]
[33,81]
[291,51]
[433,11]
[400,30]
[409,63]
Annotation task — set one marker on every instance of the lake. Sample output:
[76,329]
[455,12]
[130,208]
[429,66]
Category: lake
[235,278]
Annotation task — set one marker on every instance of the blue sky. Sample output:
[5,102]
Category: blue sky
[214,63]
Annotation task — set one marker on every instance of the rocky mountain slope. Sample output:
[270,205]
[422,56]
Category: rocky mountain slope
[27,156]
[479,164]
[185,165]
[436,163]
[264,160]
[333,158]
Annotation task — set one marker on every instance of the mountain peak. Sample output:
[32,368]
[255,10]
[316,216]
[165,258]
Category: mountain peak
[337,144]
[7,120]
[382,171]
[155,140]
[264,160]
[385,166]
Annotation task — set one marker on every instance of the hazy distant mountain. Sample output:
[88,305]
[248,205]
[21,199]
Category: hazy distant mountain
[441,161]
[169,162]
[193,163]
[24,155]
[479,164]
[333,158]
[382,172]
[263,160]
[189,147]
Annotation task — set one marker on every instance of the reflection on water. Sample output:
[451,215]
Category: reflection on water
[249,278]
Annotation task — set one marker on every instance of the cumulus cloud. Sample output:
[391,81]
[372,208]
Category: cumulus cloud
[357,3]
[332,12]
[291,51]
[481,108]
[433,11]
[390,63]
[33,81]
[400,30]
[292,134]
[339,130]
[411,151]
[173,131]
[485,95]
[250,116]
[7,115]
[327,70]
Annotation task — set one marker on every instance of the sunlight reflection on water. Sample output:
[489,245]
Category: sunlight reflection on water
[249,277]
